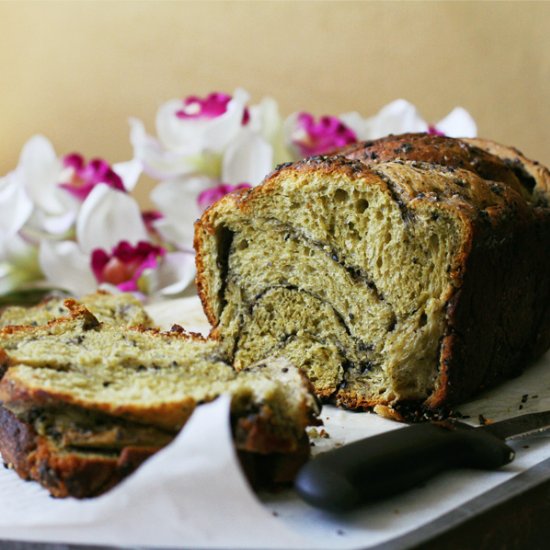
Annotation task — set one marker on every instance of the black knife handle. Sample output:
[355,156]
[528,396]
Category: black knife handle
[383,465]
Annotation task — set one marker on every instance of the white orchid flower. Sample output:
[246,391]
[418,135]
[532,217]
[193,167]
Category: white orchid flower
[112,250]
[400,116]
[200,124]
[218,136]
[307,136]
[192,134]
[205,148]
[57,186]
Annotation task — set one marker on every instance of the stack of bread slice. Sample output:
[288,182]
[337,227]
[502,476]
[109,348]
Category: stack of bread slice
[85,402]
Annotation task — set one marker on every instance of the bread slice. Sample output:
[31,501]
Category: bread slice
[64,471]
[120,309]
[401,279]
[87,393]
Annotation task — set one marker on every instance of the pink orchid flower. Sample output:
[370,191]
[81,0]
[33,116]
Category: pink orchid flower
[212,106]
[126,263]
[209,196]
[86,176]
[316,138]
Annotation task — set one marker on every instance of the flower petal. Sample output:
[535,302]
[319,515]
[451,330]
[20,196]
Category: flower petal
[397,117]
[266,120]
[18,264]
[211,106]
[39,169]
[177,200]
[107,217]
[356,123]
[57,225]
[11,249]
[458,123]
[247,160]
[157,161]
[181,136]
[129,172]
[66,266]
[15,205]
[177,233]
[80,177]
[221,131]
[175,273]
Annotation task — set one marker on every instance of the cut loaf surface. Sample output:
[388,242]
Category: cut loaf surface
[400,279]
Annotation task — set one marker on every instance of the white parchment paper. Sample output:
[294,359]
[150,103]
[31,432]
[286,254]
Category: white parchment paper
[192,493]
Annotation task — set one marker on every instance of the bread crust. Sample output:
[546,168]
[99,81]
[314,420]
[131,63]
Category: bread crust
[534,176]
[487,159]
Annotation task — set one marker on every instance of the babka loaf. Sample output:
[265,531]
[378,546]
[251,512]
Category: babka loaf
[120,309]
[403,274]
[84,403]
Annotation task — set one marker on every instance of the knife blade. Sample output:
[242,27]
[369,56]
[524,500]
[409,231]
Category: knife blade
[386,464]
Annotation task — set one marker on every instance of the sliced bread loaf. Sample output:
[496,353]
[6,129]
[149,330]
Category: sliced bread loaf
[404,278]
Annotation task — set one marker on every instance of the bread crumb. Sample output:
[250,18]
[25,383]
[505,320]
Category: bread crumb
[484,421]
[314,433]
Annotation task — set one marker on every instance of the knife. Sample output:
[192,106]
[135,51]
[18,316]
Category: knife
[386,464]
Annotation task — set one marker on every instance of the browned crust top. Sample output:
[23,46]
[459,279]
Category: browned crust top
[485,158]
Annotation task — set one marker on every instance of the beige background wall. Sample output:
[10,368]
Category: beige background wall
[76,71]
